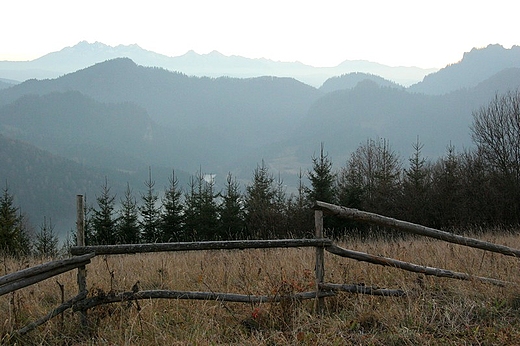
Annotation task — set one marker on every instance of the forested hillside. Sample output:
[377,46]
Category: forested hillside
[350,80]
[202,113]
[474,67]
[116,119]
[44,184]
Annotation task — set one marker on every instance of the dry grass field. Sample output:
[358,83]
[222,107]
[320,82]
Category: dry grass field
[435,311]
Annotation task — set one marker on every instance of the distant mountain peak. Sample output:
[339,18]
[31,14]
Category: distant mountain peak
[213,64]
[475,66]
[216,53]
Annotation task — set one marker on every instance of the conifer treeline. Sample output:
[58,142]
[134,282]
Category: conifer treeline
[17,237]
[198,212]
[458,190]
[478,187]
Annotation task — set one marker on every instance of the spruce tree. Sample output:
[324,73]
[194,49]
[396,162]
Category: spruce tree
[209,209]
[416,188]
[300,216]
[192,212]
[259,204]
[231,211]
[201,213]
[46,244]
[387,187]
[103,220]
[172,217]
[14,238]
[447,194]
[150,213]
[128,225]
[322,179]
[372,178]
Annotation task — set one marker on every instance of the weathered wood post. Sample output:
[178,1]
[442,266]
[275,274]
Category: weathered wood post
[320,260]
[80,241]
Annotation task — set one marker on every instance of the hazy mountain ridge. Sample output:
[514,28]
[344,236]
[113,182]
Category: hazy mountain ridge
[213,64]
[238,113]
[44,184]
[151,116]
[69,123]
[6,83]
[476,66]
[350,80]
[345,119]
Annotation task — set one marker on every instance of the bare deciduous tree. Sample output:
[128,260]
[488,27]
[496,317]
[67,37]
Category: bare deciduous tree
[496,132]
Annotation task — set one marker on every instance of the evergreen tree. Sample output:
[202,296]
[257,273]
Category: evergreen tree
[128,224]
[192,213]
[150,213]
[350,186]
[103,220]
[387,188]
[259,204]
[322,179]
[172,217]
[372,178]
[300,217]
[14,238]
[46,244]
[209,209]
[201,212]
[370,181]
[482,202]
[279,218]
[446,190]
[231,211]
[416,188]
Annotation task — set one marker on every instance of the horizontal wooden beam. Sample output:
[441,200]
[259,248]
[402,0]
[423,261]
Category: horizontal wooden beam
[26,277]
[363,216]
[385,261]
[166,294]
[16,285]
[374,291]
[202,245]
[24,273]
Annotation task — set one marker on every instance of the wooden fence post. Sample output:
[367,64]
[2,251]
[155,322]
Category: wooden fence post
[80,241]
[320,260]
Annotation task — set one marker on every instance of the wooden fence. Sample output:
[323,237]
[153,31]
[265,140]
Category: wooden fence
[83,254]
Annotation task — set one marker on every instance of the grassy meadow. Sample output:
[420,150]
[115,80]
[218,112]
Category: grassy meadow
[436,311]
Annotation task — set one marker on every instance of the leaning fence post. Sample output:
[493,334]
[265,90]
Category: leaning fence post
[320,260]
[80,241]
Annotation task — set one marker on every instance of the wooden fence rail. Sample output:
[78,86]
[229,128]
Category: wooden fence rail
[23,278]
[358,215]
[191,295]
[385,261]
[83,254]
[198,246]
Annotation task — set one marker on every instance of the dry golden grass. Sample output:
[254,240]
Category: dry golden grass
[436,311]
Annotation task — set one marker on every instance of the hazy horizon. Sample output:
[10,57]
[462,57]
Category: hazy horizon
[402,33]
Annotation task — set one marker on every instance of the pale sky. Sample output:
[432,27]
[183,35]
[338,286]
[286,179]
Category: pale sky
[318,33]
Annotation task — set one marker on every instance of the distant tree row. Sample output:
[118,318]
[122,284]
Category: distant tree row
[17,238]
[198,213]
[478,187]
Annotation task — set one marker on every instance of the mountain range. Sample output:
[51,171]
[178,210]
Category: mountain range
[63,136]
[213,64]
